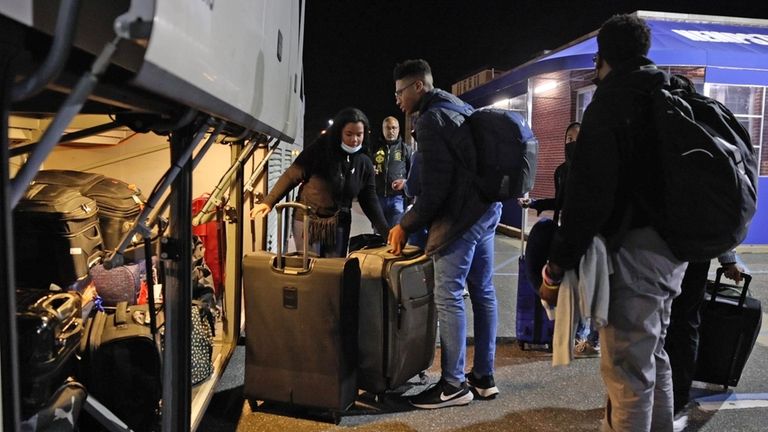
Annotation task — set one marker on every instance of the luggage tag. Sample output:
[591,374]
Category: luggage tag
[157,288]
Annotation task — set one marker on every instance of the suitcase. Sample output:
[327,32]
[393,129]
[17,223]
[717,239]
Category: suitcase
[301,318]
[398,320]
[730,324]
[119,206]
[50,329]
[78,180]
[532,326]
[57,236]
[119,203]
[122,364]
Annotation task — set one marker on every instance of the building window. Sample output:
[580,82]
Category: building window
[747,103]
[583,98]
[517,103]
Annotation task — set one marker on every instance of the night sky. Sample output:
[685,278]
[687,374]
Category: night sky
[351,46]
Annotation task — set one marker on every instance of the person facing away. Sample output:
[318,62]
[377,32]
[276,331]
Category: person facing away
[391,163]
[586,339]
[331,171]
[615,161]
[460,241]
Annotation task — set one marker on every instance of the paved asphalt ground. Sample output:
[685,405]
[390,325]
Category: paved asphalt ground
[534,395]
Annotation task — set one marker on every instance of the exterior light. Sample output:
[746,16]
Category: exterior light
[547,86]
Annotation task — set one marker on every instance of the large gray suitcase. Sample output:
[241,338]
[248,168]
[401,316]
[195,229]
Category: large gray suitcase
[301,327]
[398,320]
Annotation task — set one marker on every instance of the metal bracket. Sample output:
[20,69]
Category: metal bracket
[137,22]
[170,248]
[230,214]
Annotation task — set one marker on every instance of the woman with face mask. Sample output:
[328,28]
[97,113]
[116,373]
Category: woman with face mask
[332,171]
[586,339]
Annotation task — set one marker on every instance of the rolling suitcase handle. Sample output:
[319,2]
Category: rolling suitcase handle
[523,223]
[744,290]
[279,208]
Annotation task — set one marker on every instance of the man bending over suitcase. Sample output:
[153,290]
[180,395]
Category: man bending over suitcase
[461,231]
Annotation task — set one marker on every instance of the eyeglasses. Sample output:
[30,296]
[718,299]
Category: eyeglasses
[399,92]
[594,57]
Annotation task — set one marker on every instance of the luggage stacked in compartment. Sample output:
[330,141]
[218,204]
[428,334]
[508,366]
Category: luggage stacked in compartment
[50,328]
[118,202]
[57,236]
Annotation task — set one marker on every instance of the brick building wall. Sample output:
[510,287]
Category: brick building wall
[764,156]
[552,112]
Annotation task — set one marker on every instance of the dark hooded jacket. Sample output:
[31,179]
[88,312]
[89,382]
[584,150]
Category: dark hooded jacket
[448,202]
[330,179]
[615,169]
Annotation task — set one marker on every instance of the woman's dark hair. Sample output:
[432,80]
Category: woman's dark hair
[571,126]
[345,116]
[623,37]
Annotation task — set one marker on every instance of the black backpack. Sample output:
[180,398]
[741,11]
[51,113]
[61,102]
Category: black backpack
[506,151]
[709,175]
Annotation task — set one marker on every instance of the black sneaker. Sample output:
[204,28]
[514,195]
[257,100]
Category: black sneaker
[485,387]
[442,395]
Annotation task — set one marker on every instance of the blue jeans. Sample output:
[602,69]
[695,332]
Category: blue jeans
[584,331]
[336,251]
[468,259]
[393,208]
[419,238]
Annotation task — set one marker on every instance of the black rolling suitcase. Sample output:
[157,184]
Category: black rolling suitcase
[119,206]
[57,236]
[398,320]
[78,180]
[301,327]
[730,324]
[122,364]
[50,329]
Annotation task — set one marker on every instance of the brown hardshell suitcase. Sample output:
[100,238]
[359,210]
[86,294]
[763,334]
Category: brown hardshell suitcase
[301,317]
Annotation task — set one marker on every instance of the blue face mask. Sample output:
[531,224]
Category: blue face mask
[350,150]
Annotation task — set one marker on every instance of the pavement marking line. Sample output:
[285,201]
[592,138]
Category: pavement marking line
[505,263]
[762,337]
[730,401]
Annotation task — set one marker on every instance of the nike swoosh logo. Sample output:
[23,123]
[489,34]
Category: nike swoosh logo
[444,398]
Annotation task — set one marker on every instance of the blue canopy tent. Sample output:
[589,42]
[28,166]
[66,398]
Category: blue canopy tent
[735,54]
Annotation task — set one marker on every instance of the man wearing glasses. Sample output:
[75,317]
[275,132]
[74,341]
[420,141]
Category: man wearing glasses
[461,234]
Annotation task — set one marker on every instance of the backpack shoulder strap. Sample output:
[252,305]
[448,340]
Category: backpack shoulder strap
[464,110]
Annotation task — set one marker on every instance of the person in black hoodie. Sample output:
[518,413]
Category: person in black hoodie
[332,171]
[612,186]
[461,226]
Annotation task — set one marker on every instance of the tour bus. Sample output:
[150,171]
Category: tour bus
[175,100]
